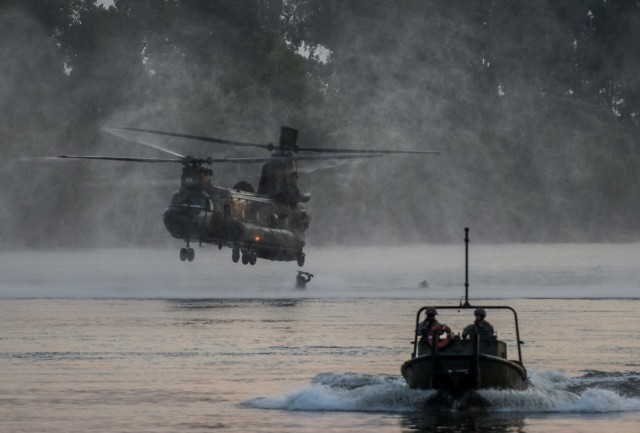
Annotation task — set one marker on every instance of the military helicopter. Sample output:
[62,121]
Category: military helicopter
[268,223]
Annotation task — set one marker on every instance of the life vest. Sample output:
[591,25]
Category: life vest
[434,334]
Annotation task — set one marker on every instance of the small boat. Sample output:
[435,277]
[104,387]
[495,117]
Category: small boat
[446,362]
[449,363]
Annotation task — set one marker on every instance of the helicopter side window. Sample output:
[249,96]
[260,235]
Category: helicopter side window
[284,220]
[304,220]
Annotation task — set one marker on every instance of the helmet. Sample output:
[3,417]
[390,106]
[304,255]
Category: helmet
[431,311]
[480,312]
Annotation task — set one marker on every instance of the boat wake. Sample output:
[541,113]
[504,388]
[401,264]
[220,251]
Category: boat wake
[550,392]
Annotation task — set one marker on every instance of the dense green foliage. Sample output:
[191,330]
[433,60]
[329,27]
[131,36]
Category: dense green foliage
[535,106]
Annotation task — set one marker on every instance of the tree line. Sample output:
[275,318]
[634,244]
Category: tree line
[534,105]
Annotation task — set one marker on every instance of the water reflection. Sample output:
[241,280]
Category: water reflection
[466,422]
[204,304]
[285,302]
[215,303]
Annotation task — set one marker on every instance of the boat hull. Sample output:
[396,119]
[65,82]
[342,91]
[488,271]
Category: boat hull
[459,373]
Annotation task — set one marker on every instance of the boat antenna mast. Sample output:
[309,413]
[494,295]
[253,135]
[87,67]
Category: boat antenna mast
[466,268]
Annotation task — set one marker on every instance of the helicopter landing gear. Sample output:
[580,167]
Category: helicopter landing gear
[249,257]
[235,255]
[301,257]
[187,254]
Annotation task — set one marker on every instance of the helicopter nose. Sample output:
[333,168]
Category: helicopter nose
[179,221]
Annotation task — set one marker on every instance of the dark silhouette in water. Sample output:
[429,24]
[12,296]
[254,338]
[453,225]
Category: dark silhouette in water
[302,279]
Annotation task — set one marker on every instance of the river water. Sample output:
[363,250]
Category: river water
[136,341]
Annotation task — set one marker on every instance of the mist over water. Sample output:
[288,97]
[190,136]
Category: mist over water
[496,271]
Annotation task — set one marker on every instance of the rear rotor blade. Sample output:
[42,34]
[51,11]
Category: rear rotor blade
[238,160]
[379,152]
[290,157]
[293,158]
[199,138]
[334,157]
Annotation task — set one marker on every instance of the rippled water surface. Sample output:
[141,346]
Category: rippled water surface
[273,359]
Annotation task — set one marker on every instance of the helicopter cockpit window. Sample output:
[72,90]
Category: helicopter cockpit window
[175,199]
[199,201]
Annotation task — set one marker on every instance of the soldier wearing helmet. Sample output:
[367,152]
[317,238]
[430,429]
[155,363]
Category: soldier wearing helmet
[479,326]
[429,323]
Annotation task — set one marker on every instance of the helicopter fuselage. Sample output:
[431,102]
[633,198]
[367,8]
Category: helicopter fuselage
[253,225]
[267,224]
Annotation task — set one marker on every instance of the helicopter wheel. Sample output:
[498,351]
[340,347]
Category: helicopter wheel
[245,258]
[183,254]
[191,254]
[301,257]
[253,257]
[235,255]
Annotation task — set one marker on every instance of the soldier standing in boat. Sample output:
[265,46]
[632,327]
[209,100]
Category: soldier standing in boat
[479,326]
[430,324]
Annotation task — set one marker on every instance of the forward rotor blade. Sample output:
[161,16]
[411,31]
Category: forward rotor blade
[115,132]
[199,138]
[116,158]
[189,160]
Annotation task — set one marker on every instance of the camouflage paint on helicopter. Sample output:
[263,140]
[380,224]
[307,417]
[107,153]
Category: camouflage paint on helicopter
[267,224]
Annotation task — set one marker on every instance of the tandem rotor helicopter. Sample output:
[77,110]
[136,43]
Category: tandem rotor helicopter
[268,223]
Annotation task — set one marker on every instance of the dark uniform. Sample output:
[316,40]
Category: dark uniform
[302,279]
[480,326]
[429,323]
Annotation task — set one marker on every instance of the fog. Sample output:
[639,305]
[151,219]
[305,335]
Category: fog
[433,272]
[526,155]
